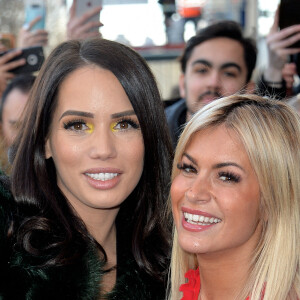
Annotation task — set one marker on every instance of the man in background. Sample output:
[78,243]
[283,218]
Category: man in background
[218,61]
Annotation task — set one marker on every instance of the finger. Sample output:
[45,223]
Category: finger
[37,41]
[14,64]
[73,9]
[40,32]
[85,28]
[8,75]
[33,22]
[284,33]
[91,34]
[288,42]
[9,55]
[288,51]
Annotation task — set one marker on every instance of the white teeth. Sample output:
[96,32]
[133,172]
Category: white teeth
[102,176]
[200,220]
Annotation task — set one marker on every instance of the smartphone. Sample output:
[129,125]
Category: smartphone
[289,15]
[33,9]
[82,6]
[34,57]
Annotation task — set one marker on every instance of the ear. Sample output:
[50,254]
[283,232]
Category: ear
[182,85]
[48,152]
[250,87]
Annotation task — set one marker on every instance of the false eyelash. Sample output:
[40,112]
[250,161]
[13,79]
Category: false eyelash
[131,122]
[232,177]
[182,166]
[71,123]
[186,168]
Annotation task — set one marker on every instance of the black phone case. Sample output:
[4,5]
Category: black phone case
[34,57]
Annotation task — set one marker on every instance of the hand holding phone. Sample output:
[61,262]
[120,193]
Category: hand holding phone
[28,38]
[33,10]
[289,16]
[84,19]
[27,60]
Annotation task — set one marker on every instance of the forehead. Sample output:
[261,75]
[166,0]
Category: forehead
[217,144]
[15,100]
[93,89]
[219,51]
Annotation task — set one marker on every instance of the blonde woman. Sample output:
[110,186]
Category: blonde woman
[235,200]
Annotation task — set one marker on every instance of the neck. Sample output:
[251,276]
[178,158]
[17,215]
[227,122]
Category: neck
[222,277]
[101,225]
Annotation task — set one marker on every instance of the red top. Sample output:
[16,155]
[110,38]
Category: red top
[191,289]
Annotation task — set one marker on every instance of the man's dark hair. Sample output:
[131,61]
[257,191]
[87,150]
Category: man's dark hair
[22,82]
[223,29]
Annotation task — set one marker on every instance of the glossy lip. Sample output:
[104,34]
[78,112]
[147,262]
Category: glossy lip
[194,227]
[103,185]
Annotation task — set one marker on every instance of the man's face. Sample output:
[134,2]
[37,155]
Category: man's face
[215,69]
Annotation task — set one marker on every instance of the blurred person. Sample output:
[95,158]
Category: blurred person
[218,61]
[90,174]
[235,202]
[81,27]
[13,102]
[29,38]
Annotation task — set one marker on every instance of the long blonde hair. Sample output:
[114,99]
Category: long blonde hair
[270,132]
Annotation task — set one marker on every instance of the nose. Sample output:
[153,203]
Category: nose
[103,145]
[199,191]
[213,80]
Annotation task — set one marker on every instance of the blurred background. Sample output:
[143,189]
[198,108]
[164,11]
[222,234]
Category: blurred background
[156,29]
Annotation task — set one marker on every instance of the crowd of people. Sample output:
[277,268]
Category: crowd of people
[107,192]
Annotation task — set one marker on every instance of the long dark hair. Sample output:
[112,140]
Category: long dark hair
[33,180]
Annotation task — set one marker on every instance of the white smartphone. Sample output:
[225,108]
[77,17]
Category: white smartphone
[33,9]
[83,6]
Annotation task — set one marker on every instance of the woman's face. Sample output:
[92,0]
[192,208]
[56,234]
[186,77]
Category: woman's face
[95,141]
[216,195]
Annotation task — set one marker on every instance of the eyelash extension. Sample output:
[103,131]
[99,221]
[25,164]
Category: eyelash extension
[183,166]
[71,123]
[231,176]
[130,121]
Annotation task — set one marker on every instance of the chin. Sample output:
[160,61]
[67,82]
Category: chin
[192,245]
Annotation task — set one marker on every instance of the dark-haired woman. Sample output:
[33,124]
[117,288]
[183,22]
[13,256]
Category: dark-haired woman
[89,178]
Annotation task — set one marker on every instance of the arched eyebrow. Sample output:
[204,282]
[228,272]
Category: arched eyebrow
[190,158]
[216,166]
[90,115]
[123,114]
[77,113]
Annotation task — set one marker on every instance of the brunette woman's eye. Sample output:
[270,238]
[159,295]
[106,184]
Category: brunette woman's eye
[77,125]
[125,124]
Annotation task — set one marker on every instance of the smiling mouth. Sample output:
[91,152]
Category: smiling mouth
[102,176]
[200,220]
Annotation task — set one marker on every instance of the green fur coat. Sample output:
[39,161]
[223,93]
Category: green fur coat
[21,279]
